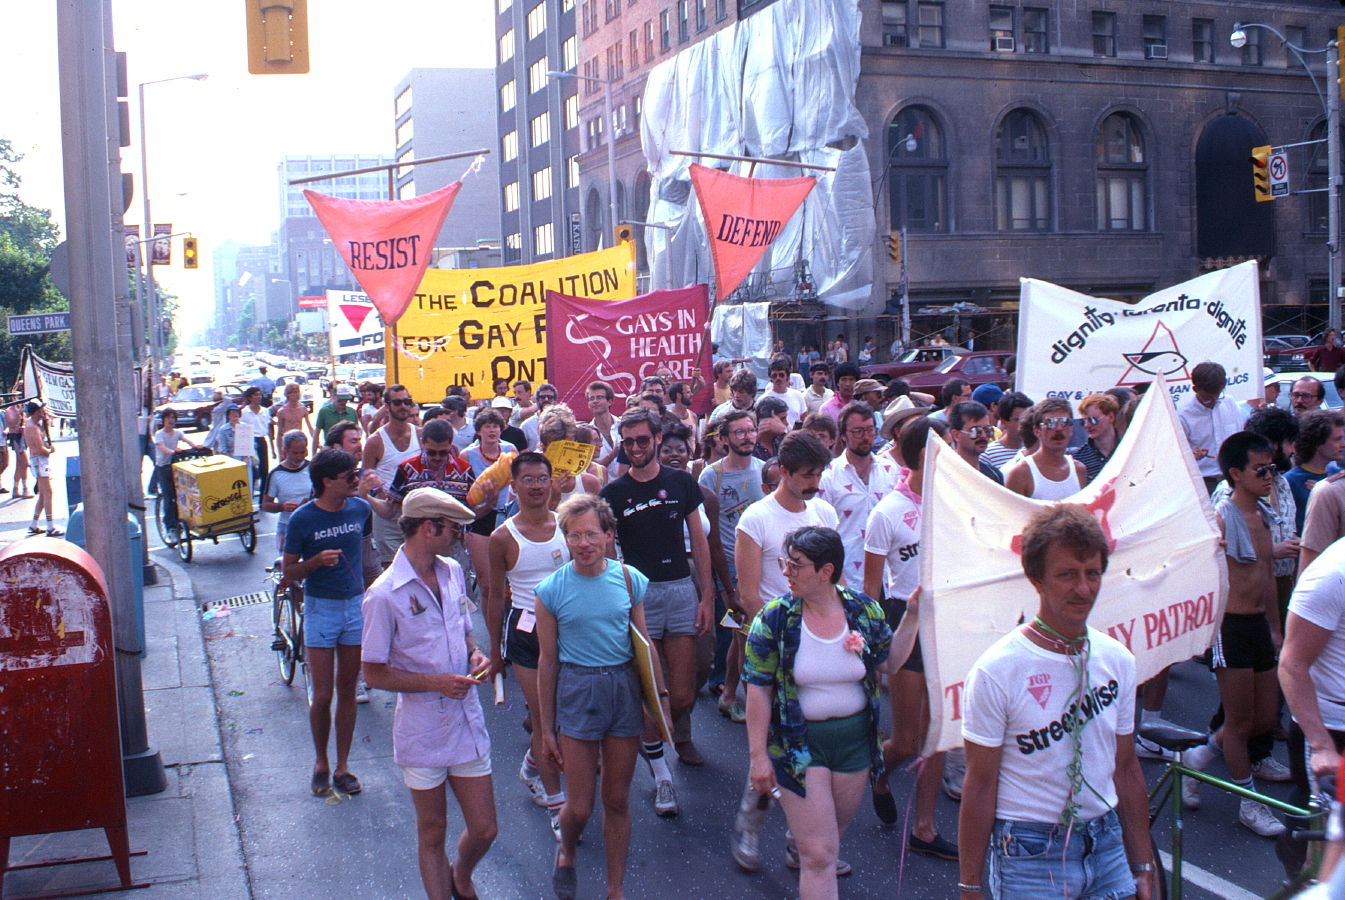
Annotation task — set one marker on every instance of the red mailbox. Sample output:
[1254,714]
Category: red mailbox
[60,746]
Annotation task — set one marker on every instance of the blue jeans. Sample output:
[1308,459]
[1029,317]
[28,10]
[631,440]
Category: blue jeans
[1032,860]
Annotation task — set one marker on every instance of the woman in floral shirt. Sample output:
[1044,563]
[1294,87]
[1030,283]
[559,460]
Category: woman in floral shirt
[813,661]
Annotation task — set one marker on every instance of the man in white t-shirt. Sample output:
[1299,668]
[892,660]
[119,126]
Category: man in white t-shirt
[759,546]
[1312,665]
[1054,828]
[778,372]
[855,482]
[892,573]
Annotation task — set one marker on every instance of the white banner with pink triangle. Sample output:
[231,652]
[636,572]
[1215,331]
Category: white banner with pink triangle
[354,325]
[1072,344]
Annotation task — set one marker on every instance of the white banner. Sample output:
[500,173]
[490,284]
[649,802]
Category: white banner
[1162,595]
[355,325]
[54,383]
[1071,344]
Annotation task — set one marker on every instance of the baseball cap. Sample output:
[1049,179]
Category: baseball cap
[345,393]
[502,403]
[987,394]
[432,503]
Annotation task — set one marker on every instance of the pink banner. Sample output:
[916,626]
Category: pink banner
[386,244]
[623,342]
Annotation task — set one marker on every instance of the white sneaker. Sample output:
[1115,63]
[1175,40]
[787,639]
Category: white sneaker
[1190,793]
[1271,769]
[532,780]
[554,815]
[1149,750]
[745,844]
[954,771]
[665,798]
[361,691]
[1259,819]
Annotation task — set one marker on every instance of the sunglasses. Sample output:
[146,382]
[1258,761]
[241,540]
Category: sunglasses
[643,440]
[1057,422]
[977,431]
[1266,471]
[402,401]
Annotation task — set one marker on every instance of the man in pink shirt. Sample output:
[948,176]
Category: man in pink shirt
[845,377]
[418,642]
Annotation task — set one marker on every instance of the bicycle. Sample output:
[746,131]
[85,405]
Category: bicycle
[1300,871]
[287,617]
[166,498]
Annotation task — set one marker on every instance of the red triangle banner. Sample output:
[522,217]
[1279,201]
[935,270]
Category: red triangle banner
[386,244]
[743,217]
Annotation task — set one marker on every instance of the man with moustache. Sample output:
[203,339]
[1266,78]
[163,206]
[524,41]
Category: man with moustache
[1050,473]
[655,506]
[387,448]
[972,431]
[855,482]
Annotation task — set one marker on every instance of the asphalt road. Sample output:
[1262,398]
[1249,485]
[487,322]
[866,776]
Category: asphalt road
[300,846]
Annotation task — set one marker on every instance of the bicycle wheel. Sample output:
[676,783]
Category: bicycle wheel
[249,538]
[283,617]
[1160,882]
[183,542]
[165,533]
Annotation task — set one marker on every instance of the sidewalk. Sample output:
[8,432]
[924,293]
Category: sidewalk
[189,830]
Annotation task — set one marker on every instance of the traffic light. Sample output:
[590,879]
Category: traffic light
[277,37]
[189,258]
[1261,173]
[624,232]
[894,247]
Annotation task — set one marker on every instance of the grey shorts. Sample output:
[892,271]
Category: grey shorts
[594,702]
[670,608]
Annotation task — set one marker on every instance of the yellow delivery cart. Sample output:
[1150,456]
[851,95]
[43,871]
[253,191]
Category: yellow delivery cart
[214,498]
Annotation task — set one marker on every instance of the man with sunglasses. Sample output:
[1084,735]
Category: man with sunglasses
[778,372]
[385,450]
[324,544]
[655,507]
[1209,419]
[1050,473]
[972,431]
[418,643]
[437,465]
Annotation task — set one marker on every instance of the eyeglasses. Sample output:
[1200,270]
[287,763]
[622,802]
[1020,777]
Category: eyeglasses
[1299,395]
[643,440]
[789,566]
[1057,422]
[586,537]
[976,431]
[546,398]
[352,477]
[742,432]
[1266,471]
[866,431]
[402,401]
[534,480]
[775,375]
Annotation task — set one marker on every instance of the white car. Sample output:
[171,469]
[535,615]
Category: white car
[1286,380]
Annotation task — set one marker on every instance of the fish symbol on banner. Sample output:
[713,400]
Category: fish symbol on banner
[1159,356]
[1162,362]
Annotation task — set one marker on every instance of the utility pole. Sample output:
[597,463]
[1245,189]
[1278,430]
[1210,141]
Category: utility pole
[1333,91]
[101,386]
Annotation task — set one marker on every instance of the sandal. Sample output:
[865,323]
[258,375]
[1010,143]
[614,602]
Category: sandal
[453,888]
[347,783]
[321,783]
[564,879]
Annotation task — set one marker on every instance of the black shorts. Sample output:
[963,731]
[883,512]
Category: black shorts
[15,441]
[485,525]
[520,647]
[1244,643]
[895,610]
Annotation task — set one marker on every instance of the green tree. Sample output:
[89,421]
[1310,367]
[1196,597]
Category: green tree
[27,238]
[31,228]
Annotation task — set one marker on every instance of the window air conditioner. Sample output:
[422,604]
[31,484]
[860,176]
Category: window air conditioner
[1156,51]
[1004,44]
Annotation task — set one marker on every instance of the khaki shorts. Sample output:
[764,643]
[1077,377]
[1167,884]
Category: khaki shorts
[427,778]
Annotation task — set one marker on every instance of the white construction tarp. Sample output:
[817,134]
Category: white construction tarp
[1166,582]
[1071,344]
[779,84]
[743,331]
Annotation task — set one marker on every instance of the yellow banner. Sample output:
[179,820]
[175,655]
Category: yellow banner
[472,326]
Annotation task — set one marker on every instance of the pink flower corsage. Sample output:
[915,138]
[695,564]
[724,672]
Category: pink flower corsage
[854,642]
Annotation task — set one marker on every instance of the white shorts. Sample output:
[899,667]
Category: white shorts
[427,778]
[41,466]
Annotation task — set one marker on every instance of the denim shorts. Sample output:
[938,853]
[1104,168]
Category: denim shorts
[330,622]
[594,702]
[1030,860]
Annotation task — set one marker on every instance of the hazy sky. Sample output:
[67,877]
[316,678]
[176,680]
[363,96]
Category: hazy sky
[214,144]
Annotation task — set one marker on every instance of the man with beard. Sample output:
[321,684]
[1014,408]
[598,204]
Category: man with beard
[1306,394]
[855,482]
[1050,473]
[654,507]
[972,431]
[818,394]
[386,449]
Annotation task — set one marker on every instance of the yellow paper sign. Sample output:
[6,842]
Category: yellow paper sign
[569,457]
[471,326]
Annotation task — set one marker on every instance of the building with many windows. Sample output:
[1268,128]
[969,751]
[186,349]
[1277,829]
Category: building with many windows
[438,112]
[538,137]
[1102,146]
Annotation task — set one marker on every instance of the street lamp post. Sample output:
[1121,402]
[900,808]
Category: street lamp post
[150,301]
[611,137]
[1330,99]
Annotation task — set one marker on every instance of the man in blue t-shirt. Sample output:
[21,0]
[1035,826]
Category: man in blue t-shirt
[323,547]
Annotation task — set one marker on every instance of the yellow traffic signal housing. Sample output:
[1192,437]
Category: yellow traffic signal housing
[624,233]
[894,247]
[189,258]
[277,37]
[1261,173]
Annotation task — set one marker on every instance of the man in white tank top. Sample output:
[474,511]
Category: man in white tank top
[386,449]
[527,548]
[1050,473]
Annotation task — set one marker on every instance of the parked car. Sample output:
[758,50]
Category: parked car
[1280,356]
[1331,397]
[977,368]
[195,401]
[917,359]
[305,389]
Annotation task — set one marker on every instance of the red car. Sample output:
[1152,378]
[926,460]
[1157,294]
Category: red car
[918,359]
[978,368]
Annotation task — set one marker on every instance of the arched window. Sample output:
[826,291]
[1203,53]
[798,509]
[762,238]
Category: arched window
[641,212]
[593,220]
[1230,224]
[1022,174]
[1122,175]
[917,171]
